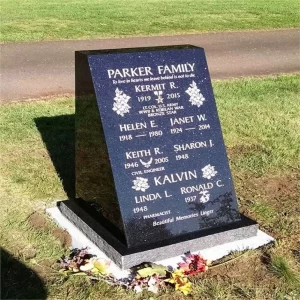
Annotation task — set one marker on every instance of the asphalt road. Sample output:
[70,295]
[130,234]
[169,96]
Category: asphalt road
[41,69]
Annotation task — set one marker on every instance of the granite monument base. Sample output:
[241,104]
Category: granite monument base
[126,258]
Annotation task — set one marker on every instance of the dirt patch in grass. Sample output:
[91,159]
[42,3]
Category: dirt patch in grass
[63,236]
[247,270]
[281,192]
[280,187]
[241,267]
[245,149]
[273,201]
[283,187]
[37,221]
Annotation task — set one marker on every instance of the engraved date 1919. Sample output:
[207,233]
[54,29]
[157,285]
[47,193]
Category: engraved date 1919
[144,98]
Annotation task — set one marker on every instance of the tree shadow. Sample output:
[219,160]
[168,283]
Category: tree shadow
[58,134]
[18,281]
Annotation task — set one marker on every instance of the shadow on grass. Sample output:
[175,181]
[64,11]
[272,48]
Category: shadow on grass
[18,281]
[58,134]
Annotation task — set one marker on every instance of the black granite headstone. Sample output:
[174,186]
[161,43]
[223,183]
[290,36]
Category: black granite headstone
[151,165]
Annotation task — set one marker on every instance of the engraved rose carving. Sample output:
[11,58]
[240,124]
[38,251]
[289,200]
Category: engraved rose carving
[209,171]
[121,105]
[140,184]
[196,98]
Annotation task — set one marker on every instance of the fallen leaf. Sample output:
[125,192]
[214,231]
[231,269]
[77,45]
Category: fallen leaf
[154,269]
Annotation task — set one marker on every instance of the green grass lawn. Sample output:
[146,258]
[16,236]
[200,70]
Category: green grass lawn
[260,121]
[38,20]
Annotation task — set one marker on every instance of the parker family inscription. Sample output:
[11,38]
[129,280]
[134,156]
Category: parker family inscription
[152,170]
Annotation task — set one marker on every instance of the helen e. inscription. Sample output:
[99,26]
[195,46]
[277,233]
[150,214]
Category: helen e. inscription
[164,142]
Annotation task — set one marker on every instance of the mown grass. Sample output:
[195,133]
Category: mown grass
[260,121]
[38,20]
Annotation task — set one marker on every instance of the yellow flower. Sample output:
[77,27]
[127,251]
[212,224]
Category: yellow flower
[181,282]
[184,288]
